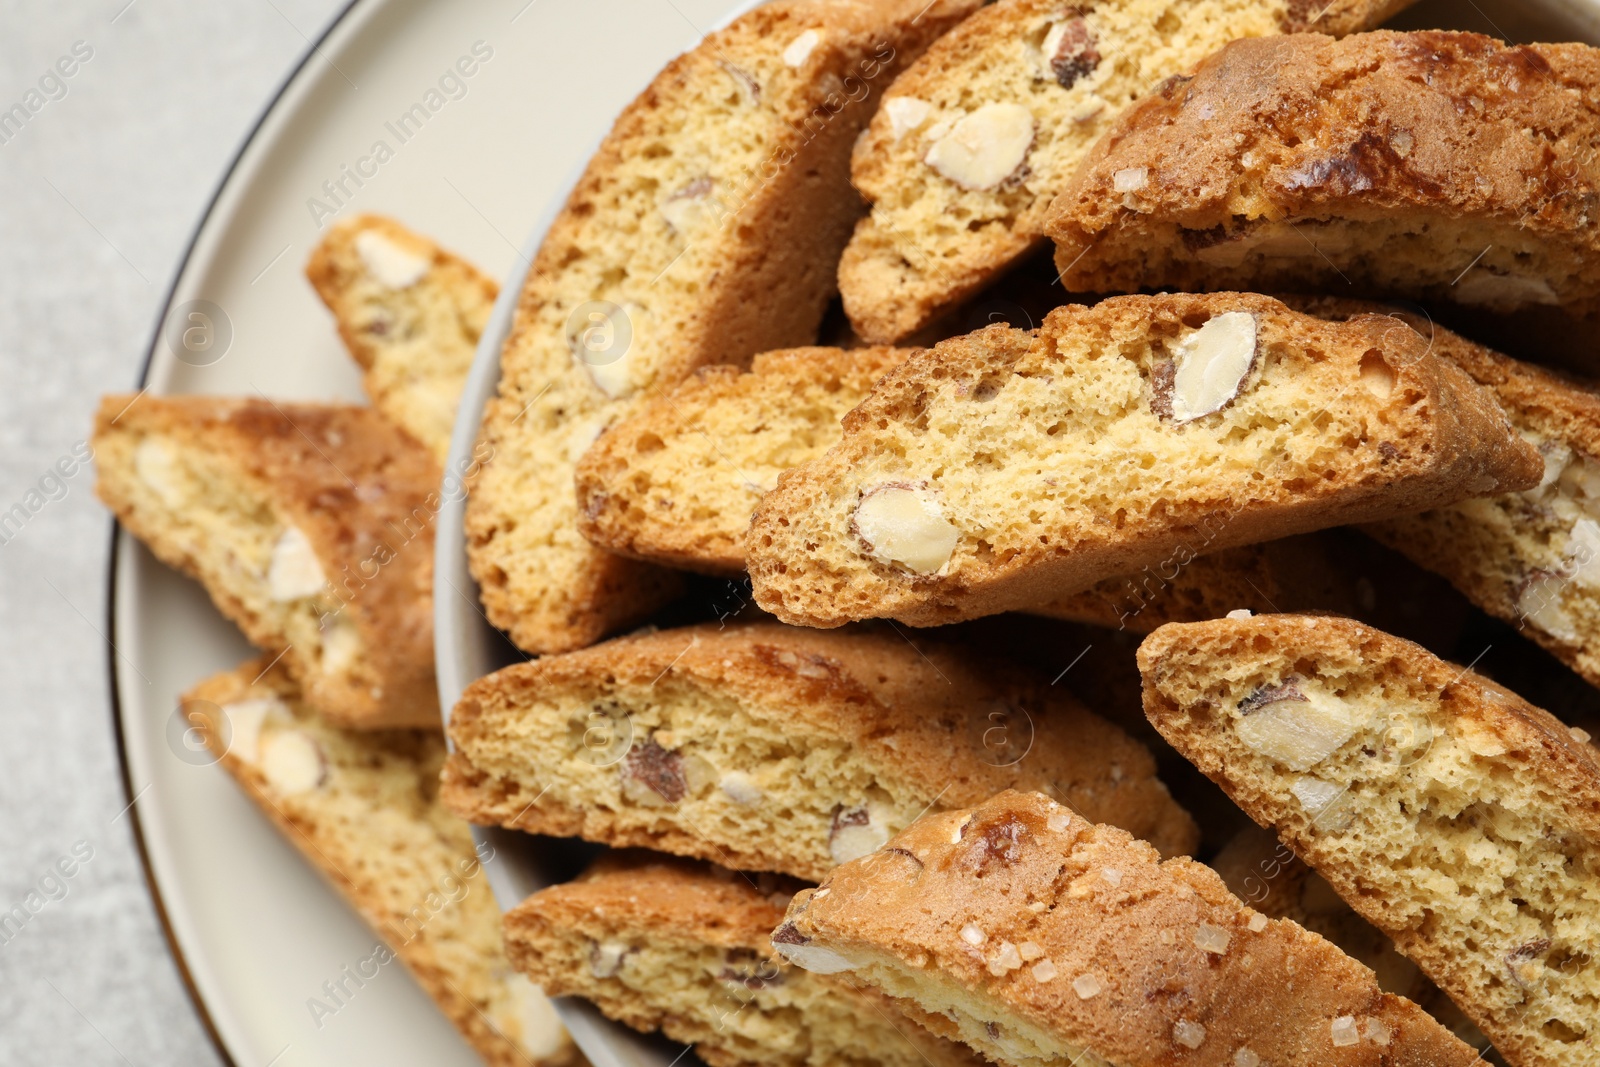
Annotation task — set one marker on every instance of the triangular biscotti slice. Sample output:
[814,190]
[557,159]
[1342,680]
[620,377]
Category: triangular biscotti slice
[1007,469]
[1451,814]
[705,230]
[1264,873]
[311,526]
[683,947]
[1445,166]
[975,140]
[676,481]
[410,313]
[766,747]
[1040,939]
[363,808]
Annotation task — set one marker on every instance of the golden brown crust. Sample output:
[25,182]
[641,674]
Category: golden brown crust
[1147,964]
[416,340]
[737,128]
[1464,898]
[674,482]
[1387,161]
[373,827]
[680,946]
[916,727]
[363,493]
[1427,436]
[930,242]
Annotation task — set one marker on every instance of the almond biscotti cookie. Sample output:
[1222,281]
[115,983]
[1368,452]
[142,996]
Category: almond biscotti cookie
[311,526]
[765,747]
[363,808]
[1531,558]
[675,484]
[1434,165]
[1457,818]
[976,139]
[411,315]
[683,947]
[676,481]
[1040,938]
[705,230]
[1006,469]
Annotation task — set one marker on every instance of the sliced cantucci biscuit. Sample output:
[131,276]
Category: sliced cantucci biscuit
[705,230]
[1040,938]
[310,525]
[771,748]
[975,140]
[1384,164]
[682,947]
[363,809]
[675,484]
[1451,814]
[1531,558]
[410,314]
[1007,469]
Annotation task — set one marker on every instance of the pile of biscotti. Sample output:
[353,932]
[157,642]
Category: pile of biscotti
[883,777]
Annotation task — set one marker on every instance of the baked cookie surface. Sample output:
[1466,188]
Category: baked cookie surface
[363,808]
[410,314]
[979,135]
[683,947]
[676,481]
[1041,938]
[1451,814]
[310,525]
[1007,469]
[1428,165]
[705,230]
[766,747]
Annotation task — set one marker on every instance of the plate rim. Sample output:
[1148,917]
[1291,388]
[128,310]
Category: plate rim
[117,541]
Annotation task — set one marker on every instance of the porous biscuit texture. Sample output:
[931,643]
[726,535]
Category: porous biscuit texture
[310,525]
[363,808]
[1435,165]
[1530,558]
[676,481]
[683,947]
[772,748]
[706,229]
[956,196]
[1040,938]
[410,313]
[675,484]
[1451,814]
[1007,469]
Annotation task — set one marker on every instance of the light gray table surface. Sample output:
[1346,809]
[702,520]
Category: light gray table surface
[99,194]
